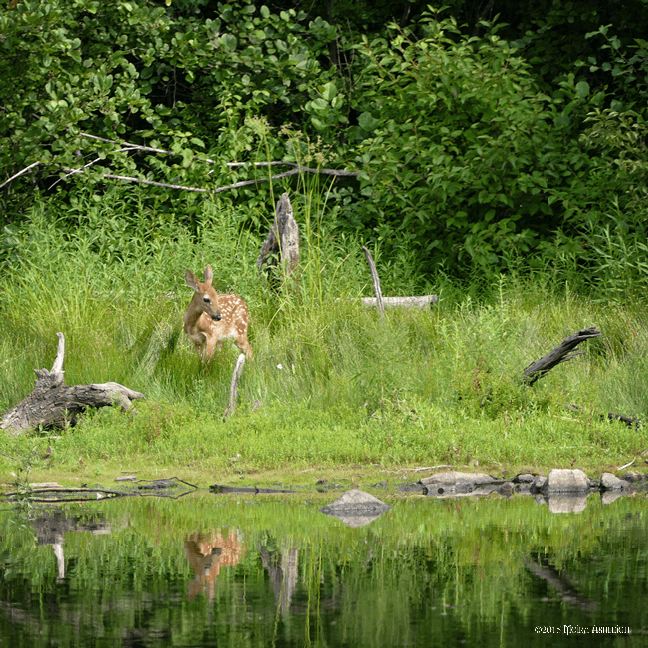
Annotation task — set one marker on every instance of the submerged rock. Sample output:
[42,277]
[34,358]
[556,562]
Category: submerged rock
[455,478]
[523,478]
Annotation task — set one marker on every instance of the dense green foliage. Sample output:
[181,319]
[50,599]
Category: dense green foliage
[510,181]
[477,144]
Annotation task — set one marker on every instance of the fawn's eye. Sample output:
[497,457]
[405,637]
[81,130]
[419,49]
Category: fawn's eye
[206,299]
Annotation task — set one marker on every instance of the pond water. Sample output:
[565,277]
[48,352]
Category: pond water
[246,571]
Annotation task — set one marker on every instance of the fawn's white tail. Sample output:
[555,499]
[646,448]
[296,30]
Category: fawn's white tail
[212,318]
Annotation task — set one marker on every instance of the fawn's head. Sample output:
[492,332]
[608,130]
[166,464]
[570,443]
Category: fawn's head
[205,299]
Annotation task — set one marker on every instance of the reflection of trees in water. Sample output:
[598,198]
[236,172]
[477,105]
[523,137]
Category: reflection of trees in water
[282,567]
[207,553]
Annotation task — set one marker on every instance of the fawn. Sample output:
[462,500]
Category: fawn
[212,318]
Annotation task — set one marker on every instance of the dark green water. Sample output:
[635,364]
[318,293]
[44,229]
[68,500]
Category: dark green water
[236,572]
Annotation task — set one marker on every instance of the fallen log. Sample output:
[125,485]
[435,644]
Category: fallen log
[561,353]
[420,301]
[53,404]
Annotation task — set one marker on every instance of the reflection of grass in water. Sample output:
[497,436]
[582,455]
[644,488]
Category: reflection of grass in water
[352,389]
[408,569]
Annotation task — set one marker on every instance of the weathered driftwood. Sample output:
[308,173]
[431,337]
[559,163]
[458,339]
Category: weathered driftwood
[282,243]
[422,301]
[561,353]
[376,281]
[53,404]
[238,370]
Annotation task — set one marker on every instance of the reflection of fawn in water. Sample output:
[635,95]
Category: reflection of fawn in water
[207,553]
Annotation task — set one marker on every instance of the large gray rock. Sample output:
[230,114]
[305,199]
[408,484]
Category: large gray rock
[561,481]
[610,482]
[355,508]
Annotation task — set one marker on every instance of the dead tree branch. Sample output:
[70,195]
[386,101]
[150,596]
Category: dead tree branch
[17,175]
[376,281]
[127,147]
[561,353]
[238,370]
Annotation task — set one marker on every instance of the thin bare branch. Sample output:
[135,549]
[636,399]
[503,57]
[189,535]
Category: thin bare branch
[245,183]
[25,170]
[376,281]
[85,166]
[151,182]
[236,185]
[96,137]
[127,147]
[139,147]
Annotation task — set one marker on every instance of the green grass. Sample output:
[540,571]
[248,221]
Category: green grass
[331,383]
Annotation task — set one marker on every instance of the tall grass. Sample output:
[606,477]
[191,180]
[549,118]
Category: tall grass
[331,382]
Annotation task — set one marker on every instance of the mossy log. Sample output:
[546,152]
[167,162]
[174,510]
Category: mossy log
[53,404]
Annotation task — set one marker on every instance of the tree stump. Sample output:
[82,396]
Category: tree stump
[53,404]
[281,244]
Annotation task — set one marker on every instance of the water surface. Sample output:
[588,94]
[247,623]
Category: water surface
[214,570]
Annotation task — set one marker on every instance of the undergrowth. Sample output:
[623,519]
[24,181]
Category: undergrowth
[331,382]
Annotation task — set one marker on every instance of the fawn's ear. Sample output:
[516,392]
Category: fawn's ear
[191,280]
[208,275]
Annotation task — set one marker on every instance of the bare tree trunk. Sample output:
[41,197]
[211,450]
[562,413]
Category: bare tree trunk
[53,404]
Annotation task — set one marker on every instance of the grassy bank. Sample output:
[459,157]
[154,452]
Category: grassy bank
[331,385]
